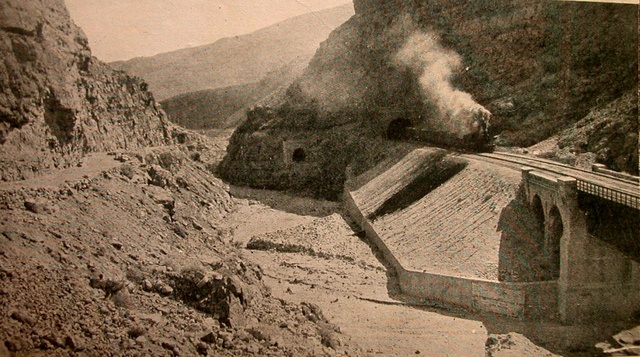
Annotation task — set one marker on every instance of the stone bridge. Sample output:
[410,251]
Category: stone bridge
[589,224]
[594,277]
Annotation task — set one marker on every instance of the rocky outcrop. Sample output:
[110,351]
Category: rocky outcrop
[607,135]
[57,102]
[537,66]
[610,132]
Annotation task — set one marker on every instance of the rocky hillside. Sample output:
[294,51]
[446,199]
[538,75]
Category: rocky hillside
[57,102]
[238,60]
[136,260]
[537,66]
[607,135]
[609,132]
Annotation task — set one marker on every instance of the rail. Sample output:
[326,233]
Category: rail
[608,193]
[629,197]
[595,168]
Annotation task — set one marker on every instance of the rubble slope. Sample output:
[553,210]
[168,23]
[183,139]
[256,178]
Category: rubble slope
[137,260]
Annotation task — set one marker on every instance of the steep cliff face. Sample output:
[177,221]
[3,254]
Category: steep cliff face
[537,66]
[57,102]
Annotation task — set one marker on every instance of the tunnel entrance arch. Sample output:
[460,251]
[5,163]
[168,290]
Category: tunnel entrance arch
[553,235]
[397,129]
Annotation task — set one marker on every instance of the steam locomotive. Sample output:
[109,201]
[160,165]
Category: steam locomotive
[474,142]
[477,139]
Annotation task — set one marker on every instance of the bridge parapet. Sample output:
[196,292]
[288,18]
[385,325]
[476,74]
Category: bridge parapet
[604,170]
[541,180]
[549,182]
[609,194]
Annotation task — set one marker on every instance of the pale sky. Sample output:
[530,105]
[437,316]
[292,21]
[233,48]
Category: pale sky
[123,29]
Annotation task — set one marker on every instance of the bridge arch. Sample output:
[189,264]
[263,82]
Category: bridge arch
[573,255]
[538,213]
[554,231]
[537,210]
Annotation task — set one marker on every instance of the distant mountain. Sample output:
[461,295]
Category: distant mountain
[238,60]
[224,108]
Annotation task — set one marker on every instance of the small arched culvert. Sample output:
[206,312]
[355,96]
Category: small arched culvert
[299,155]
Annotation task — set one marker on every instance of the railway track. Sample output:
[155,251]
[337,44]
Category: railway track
[560,165]
[617,189]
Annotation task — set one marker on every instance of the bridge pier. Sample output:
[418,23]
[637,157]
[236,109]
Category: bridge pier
[574,265]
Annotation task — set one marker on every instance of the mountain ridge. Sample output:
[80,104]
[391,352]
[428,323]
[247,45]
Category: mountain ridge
[224,108]
[252,55]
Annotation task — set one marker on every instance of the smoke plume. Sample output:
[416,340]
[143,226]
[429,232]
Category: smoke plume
[434,66]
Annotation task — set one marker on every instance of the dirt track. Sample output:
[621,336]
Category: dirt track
[341,273]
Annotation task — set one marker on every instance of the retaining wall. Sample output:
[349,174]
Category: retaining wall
[522,300]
